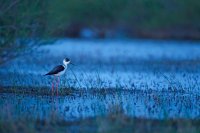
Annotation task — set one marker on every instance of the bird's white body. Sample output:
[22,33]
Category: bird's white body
[62,72]
[65,63]
[58,71]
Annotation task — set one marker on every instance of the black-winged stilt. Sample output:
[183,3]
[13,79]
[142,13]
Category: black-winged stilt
[58,71]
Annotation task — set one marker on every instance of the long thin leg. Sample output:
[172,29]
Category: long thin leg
[52,87]
[52,90]
[58,80]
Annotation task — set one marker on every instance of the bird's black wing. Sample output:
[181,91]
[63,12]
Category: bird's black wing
[56,70]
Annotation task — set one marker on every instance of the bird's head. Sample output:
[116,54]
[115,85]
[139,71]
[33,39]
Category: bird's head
[66,61]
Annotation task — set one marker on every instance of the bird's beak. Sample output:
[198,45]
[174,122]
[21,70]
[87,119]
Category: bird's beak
[73,64]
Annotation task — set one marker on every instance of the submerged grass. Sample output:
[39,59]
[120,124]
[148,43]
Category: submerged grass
[36,90]
[63,91]
[112,123]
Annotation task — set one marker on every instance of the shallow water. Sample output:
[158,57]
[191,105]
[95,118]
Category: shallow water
[168,68]
[142,105]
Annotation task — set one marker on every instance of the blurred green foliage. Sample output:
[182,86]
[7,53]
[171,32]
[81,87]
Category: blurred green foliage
[141,14]
[24,18]
[27,18]
[20,20]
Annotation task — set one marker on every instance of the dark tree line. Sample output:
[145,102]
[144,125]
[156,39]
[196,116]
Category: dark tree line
[20,21]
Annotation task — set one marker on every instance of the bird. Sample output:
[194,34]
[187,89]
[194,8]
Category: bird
[57,72]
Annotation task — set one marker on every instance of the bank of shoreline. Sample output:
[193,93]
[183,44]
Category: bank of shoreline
[114,122]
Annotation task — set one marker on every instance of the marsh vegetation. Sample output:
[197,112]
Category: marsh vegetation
[154,87]
[118,84]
